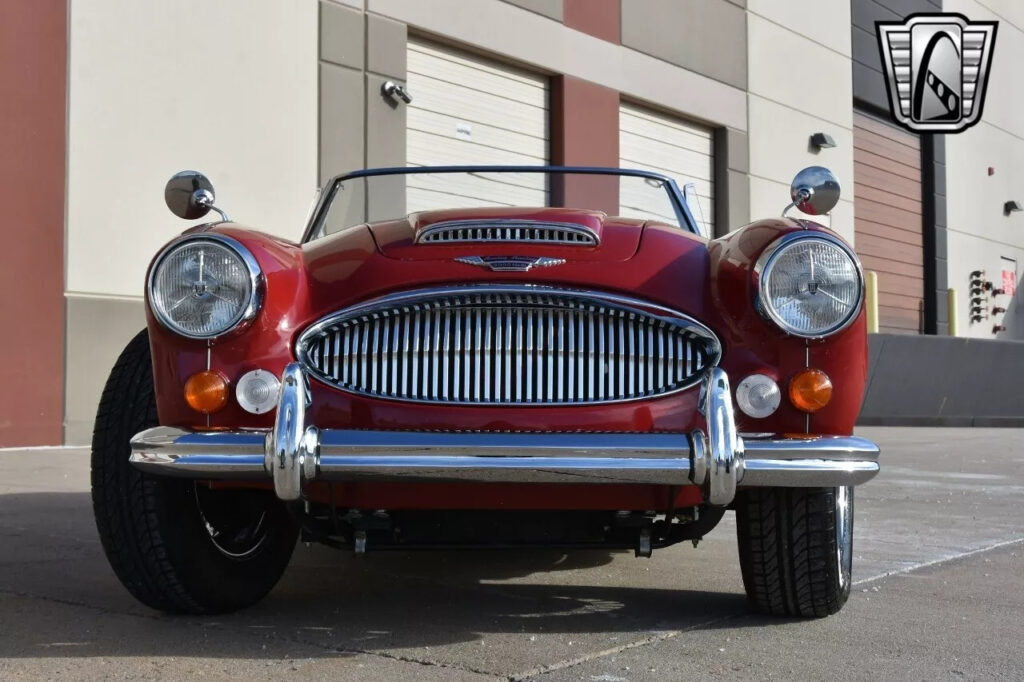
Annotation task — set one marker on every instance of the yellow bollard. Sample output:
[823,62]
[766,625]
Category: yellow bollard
[951,310]
[871,300]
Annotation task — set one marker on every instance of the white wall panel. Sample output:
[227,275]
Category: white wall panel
[979,232]
[228,88]
[800,82]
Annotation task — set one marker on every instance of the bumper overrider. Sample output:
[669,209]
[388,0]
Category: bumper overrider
[718,460]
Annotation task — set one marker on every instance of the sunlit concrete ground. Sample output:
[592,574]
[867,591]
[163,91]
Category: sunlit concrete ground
[939,565]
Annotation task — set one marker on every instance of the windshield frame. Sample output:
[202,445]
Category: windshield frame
[683,215]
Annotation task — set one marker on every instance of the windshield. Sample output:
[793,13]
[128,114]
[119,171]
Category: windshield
[394,193]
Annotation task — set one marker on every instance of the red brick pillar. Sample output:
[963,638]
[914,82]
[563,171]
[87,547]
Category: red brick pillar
[584,132]
[33,105]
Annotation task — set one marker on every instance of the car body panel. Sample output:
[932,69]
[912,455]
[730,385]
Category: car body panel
[709,281]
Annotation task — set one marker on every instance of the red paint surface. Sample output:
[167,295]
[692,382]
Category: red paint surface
[711,282]
[584,132]
[33,73]
[599,18]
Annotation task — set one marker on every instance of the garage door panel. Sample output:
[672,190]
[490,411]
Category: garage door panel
[901,154]
[527,91]
[431,146]
[898,320]
[690,137]
[427,200]
[887,165]
[890,216]
[427,123]
[905,148]
[888,233]
[704,187]
[467,109]
[892,267]
[901,285]
[888,131]
[421,51]
[887,182]
[448,99]
[534,194]
[453,100]
[669,145]
[866,193]
[655,154]
[887,212]
[870,246]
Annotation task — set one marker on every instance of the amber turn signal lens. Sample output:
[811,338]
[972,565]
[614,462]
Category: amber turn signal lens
[810,390]
[206,391]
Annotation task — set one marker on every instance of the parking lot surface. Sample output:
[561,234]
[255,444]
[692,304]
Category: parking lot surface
[939,594]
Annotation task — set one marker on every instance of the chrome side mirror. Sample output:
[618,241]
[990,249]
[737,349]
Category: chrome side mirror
[189,195]
[815,191]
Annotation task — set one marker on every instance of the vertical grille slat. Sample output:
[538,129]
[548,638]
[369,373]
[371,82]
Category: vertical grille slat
[557,348]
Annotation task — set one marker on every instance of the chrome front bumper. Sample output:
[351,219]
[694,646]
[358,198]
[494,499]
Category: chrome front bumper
[295,452]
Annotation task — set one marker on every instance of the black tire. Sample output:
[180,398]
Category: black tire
[796,547]
[154,530]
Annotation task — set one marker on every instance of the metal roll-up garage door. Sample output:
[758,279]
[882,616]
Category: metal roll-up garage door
[467,109]
[887,219]
[678,148]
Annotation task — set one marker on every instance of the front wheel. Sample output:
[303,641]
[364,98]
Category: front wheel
[178,545]
[796,549]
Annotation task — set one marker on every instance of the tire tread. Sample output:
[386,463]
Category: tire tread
[787,547]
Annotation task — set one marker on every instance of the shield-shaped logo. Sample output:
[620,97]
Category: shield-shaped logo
[936,70]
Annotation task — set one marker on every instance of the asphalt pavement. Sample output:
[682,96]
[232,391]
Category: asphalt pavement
[939,594]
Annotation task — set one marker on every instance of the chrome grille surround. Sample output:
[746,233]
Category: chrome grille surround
[511,345]
[508,230]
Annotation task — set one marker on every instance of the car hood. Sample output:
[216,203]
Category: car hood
[617,238]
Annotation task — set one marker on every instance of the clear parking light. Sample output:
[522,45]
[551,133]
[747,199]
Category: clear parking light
[758,396]
[203,287]
[257,390]
[810,286]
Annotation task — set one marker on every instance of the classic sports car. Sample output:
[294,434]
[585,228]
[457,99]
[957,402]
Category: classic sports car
[487,357]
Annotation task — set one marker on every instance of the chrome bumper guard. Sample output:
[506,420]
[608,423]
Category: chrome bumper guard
[295,452]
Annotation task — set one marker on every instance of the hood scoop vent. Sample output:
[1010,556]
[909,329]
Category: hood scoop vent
[508,231]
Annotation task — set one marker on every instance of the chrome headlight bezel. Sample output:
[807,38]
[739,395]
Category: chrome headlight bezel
[246,312]
[763,270]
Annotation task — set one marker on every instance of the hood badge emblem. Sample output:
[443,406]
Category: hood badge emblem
[510,263]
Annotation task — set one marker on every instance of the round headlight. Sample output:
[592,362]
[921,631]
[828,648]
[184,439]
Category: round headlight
[202,287]
[810,286]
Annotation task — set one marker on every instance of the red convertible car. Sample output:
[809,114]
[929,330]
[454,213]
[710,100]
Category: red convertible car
[487,356]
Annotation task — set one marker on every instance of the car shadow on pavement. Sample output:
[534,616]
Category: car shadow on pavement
[54,576]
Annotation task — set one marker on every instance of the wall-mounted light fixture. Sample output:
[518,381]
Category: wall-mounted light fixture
[395,92]
[822,141]
[1012,207]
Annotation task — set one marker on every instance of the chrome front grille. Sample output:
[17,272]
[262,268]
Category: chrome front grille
[502,345]
[520,231]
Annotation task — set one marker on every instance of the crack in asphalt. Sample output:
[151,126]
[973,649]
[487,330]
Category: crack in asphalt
[940,561]
[635,644]
[80,604]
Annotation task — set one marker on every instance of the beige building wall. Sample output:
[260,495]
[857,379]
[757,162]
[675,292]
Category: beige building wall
[979,232]
[799,83]
[228,88]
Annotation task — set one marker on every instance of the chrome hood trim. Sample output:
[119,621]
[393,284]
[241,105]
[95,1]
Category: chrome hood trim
[507,230]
